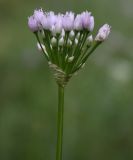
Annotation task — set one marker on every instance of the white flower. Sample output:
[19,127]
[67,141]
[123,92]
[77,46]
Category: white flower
[76,41]
[71,35]
[69,43]
[62,33]
[61,41]
[53,41]
[89,40]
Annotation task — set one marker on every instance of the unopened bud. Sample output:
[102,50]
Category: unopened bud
[63,33]
[70,59]
[71,35]
[78,35]
[76,41]
[69,43]
[103,33]
[54,41]
[89,40]
[78,22]
[32,23]
[61,41]
[87,21]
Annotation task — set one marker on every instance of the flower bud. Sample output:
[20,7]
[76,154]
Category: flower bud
[62,33]
[91,26]
[53,41]
[44,22]
[78,35]
[103,33]
[70,59]
[76,41]
[53,30]
[87,21]
[71,35]
[38,15]
[61,41]
[89,40]
[68,21]
[32,23]
[78,23]
[58,25]
[51,19]
[69,43]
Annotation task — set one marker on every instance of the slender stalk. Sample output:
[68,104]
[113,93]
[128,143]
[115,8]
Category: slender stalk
[60,122]
[36,34]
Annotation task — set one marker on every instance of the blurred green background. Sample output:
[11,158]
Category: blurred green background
[98,102]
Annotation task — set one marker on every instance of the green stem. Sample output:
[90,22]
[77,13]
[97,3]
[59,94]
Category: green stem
[36,34]
[60,122]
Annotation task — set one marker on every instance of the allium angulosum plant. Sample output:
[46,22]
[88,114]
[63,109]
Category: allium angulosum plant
[66,41]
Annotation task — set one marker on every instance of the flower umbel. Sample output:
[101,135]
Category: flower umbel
[66,40]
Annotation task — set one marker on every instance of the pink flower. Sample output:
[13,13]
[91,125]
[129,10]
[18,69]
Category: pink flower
[51,19]
[87,21]
[57,27]
[68,21]
[103,33]
[78,22]
[32,23]
[44,22]
[39,16]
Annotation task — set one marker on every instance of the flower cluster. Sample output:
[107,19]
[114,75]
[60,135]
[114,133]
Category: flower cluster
[66,40]
[56,23]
